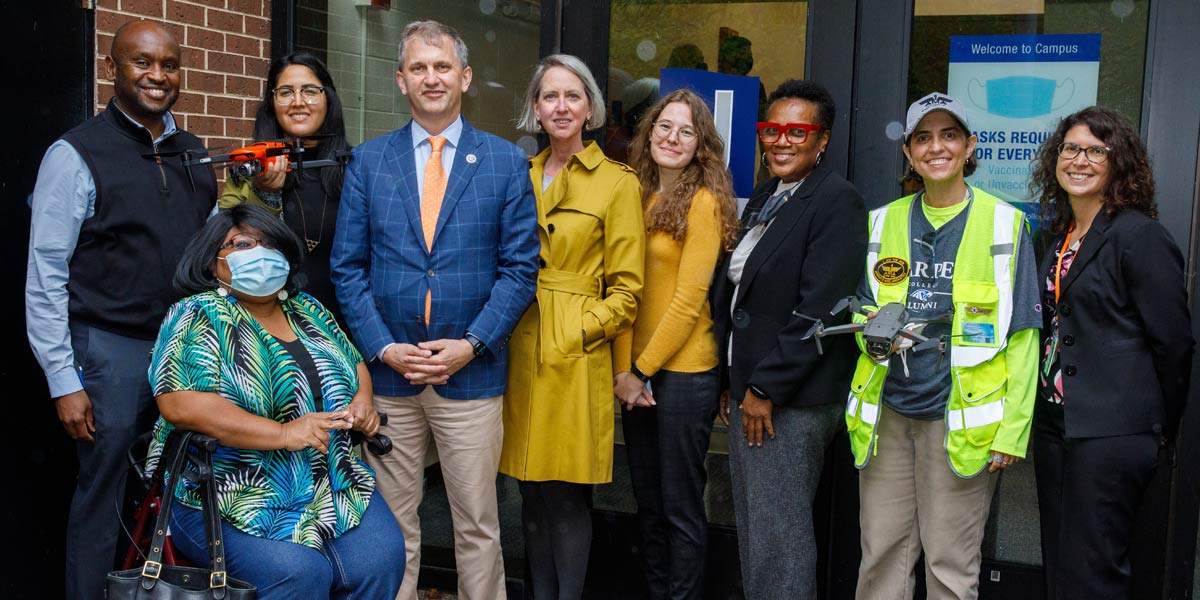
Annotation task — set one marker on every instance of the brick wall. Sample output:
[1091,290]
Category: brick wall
[226,51]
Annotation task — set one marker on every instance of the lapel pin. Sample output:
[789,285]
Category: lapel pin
[471,159]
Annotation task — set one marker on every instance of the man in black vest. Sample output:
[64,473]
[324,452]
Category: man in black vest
[113,208]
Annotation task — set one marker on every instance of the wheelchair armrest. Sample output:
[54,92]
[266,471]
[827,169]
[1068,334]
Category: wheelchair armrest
[205,442]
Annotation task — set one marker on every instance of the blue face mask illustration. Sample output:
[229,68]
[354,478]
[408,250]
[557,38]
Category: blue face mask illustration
[258,271]
[1021,96]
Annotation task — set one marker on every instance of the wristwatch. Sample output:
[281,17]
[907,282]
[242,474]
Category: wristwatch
[476,344]
[639,374]
[758,393]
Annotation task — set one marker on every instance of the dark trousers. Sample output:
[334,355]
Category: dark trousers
[556,517]
[666,445]
[114,376]
[1088,492]
[773,490]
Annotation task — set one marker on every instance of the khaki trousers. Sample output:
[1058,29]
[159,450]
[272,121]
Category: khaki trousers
[912,501]
[468,435]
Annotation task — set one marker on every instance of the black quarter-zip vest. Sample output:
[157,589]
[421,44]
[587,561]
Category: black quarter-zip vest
[146,212]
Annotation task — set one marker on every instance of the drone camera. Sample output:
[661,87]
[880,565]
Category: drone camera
[879,348]
[249,168]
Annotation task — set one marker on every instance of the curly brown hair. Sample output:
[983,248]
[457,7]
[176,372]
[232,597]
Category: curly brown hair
[706,171]
[1130,179]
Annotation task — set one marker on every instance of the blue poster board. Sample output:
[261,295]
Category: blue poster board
[734,102]
[1016,89]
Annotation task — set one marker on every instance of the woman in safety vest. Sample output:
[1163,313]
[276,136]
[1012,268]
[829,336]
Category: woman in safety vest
[930,425]
[1117,350]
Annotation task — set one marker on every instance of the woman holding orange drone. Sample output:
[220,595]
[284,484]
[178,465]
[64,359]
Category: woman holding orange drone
[300,101]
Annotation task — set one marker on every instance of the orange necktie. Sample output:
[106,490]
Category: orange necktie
[431,201]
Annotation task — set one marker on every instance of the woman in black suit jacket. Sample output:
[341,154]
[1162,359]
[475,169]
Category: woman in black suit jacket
[1117,350]
[803,243]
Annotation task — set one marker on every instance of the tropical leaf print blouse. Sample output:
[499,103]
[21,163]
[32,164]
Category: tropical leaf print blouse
[209,343]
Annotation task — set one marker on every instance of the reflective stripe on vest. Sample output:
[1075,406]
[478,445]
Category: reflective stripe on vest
[1004,219]
[974,416]
[870,412]
[874,246]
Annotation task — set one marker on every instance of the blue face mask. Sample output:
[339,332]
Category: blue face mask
[259,271]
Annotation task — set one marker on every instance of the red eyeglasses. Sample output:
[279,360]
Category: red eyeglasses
[797,133]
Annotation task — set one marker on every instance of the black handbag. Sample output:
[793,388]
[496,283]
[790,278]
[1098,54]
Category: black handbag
[156,581]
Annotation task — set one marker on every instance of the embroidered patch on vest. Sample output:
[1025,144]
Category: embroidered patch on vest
[890,270]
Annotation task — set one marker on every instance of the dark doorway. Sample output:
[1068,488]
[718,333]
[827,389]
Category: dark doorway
[52,43]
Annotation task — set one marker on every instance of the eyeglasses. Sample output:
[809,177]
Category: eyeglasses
[311,94]
[1094,154]
[662,130]
[241,242]
[796,133]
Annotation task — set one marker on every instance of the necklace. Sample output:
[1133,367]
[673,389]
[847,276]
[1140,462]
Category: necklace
[1058,265]
[311,243]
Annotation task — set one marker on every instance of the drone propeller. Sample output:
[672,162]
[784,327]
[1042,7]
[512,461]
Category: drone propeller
[927,343]
[850,302]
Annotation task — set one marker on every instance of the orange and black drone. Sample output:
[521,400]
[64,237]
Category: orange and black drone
[251,160]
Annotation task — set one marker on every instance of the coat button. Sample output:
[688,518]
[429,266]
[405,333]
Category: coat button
[550,228]
[431,273]
[1068,340]
[1069,370]
[1065,310]
[541,262]
[740,318]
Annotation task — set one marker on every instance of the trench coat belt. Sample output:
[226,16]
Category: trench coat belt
[570,283]
[564,282]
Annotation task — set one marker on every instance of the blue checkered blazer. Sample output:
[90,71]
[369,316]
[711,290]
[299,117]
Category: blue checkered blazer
[482,269]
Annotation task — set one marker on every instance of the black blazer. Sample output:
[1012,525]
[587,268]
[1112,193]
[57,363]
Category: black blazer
[811,256]
[1125,335]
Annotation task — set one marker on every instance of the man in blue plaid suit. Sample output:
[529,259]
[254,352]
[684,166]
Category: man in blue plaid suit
[434,262]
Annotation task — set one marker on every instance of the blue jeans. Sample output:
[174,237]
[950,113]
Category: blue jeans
[666,445]
[365,563]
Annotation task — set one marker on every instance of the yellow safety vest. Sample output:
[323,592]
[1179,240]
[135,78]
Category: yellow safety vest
[982,291]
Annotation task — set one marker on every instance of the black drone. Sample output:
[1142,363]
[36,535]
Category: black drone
[882,329]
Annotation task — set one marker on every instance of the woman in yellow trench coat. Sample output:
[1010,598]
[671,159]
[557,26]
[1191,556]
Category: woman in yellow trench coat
[558,411]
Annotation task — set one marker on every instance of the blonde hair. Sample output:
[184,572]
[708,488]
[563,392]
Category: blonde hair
[528,120]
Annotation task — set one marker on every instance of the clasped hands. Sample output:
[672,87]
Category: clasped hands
[312,430]
[429,363]
[631,392]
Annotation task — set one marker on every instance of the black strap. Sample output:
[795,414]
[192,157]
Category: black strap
[177,456]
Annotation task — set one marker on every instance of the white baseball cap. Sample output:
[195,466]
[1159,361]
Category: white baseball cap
[934,102]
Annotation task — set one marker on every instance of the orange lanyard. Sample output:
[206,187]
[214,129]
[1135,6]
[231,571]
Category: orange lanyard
[1058,266]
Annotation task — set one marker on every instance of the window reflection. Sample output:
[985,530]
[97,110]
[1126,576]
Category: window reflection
[761,39]
[360,46]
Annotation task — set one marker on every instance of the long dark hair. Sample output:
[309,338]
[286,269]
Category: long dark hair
[1130,179]
[266,126]
[706,171]
[194,273]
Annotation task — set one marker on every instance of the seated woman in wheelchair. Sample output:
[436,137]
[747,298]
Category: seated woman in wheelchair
[264,368]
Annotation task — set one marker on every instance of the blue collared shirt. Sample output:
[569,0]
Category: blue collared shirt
[63,198]
[422,149]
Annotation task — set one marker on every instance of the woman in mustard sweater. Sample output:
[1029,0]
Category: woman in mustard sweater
[667,365]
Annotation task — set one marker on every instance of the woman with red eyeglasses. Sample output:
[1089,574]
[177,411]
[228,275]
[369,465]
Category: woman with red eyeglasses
[802,244]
